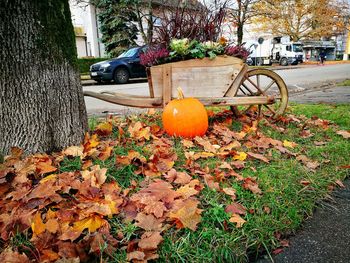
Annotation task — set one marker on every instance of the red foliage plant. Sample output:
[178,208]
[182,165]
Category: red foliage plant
[199,22]
[237,51]
[153,56]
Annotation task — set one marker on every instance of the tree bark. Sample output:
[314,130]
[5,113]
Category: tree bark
[239,33]
[42,105]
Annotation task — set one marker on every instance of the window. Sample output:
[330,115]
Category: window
[156,21]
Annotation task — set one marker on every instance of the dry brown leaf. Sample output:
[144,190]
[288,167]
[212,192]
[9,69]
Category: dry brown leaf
[138,132]
[208,147]
[188,216]
[148,222]
[150,240]
[236,208]
[10,256]
[74,151]
[252,185]
[182,178]
[230,191]
[135,255]
[186,191]
[345,134]
[235,218]
[52,225]
[258,156]
[187,143]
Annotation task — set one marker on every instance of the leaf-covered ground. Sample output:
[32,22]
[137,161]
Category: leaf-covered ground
[131,193]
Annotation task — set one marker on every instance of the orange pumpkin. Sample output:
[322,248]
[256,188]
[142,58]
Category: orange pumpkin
[185,117]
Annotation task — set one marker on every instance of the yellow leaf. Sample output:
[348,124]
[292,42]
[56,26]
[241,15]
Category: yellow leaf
[38,226]
[48,178]
[104,129]
[91,223]
[240,156]
[289,144]
[235,218]
[52,225]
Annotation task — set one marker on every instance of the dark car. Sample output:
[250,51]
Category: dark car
[120,69]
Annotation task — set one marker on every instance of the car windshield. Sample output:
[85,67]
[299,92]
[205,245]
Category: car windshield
[297,48]
[129,53]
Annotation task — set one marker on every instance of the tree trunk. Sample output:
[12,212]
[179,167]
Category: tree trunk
[42,106]
[239,33]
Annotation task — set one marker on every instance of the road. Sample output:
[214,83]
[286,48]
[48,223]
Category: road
[297,80]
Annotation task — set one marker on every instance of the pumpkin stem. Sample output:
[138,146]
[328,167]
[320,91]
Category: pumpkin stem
[180,93]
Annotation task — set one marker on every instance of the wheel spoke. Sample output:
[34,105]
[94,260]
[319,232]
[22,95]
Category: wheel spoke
[242,90]
[270,109]
[269,86]
[249,90]
[261,92]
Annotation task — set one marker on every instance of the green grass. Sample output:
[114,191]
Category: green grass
[344,83]
[289,201]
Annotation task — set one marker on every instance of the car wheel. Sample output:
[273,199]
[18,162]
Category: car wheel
[259,62]
[284,62]
[121,76]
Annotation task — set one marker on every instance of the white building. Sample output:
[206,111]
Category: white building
[86,29]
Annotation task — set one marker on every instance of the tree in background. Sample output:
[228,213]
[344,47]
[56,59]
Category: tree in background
[117,24]
[42,106]
[241,13]
[300,19]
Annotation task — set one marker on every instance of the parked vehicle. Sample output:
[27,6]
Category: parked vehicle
[120,69]
[275,50]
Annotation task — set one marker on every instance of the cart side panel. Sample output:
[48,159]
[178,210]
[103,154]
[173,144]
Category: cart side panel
[198,77]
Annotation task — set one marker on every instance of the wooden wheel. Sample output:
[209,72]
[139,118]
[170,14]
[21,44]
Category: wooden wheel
[263,82]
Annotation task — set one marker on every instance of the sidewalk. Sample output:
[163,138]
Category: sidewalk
[324,238]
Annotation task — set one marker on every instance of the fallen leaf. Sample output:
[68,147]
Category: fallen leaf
[186,191]
[235,218]
[241,156]
[252,185]
[289,144]
[208,147]
[230,191]
[91,223]
[148,222]
[52,225]
[258,156]
[74,151]
[188,216]
[345,134]
[135,255]
[10,256]
[182,178]
[38,226]
[104,129]
[277,251]
[150,240]
[187,143]
[138,132]
[236,208]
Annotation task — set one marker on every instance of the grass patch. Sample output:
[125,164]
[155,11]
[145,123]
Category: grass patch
[344,83]
[281,209]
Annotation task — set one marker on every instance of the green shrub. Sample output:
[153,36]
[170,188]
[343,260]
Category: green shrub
[85,63]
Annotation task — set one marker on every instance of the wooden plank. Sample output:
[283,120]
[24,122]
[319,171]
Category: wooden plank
[249,100]
[127,100]
[201,79]
[167,84]
[150,84]
[233,88]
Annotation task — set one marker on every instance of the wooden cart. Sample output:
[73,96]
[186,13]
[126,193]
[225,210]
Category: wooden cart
[220,81]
